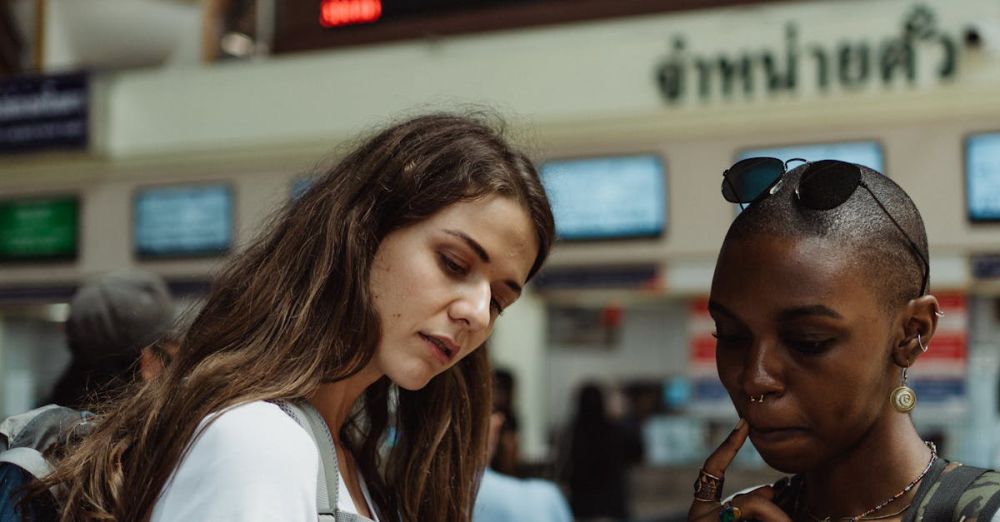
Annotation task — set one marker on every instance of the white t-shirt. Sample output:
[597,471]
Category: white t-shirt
[253,464]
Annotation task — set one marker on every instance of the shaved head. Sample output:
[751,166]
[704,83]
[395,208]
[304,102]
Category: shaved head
[870,241]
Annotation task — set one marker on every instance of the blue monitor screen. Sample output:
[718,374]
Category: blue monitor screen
[982,177]
[181,221]
[607,197]
[867,153]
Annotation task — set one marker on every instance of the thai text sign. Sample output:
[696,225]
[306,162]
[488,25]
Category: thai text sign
[852,63]
[43,112]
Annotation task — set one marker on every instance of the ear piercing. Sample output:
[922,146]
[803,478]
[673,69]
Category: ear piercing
[920,343]
[939,313]
[757,398]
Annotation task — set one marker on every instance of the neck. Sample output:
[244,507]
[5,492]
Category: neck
[880,465]
[335,400]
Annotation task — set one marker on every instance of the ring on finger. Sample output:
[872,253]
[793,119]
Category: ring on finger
[708,487]
[730,513]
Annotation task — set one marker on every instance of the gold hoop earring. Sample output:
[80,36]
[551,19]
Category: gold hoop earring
[903,398]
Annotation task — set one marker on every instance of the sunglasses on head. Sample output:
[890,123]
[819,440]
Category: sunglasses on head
[824,185]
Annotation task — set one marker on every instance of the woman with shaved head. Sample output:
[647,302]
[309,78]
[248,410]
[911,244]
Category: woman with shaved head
[821,305]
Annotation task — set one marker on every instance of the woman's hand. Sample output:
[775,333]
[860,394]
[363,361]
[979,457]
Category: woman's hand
[755,505]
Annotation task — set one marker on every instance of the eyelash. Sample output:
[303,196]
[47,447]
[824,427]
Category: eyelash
[458,270]
[811,347]
[451,266]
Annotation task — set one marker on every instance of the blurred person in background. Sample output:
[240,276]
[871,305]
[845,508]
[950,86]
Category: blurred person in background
[362,304]
[597,460]
[506,456]
[821,305]
[117,331]
[114,321]
[503,498]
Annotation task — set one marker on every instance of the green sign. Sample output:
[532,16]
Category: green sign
[38,229]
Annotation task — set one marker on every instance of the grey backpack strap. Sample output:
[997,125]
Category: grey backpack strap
[28,459]
[326,482]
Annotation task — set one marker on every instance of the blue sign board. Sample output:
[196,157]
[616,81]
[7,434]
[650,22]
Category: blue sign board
[183,221]
[607,197]
[44,112]
[982,177]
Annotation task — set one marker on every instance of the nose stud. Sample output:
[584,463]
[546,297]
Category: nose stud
[756,398]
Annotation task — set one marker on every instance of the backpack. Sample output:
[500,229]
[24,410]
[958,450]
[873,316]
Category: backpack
[956,492]
[950,491]
[25,441]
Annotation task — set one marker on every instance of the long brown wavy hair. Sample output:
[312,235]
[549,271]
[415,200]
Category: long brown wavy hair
[294,311]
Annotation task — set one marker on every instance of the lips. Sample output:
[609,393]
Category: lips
[775,435]
[445,349]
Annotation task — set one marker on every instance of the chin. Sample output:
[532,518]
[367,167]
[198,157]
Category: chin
[790,462]
[412,379]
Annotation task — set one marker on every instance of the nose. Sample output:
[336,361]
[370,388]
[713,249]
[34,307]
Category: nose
[472,306]
[763,370]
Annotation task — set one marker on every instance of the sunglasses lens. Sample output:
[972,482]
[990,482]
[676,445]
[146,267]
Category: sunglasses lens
[747,180]
[827,184]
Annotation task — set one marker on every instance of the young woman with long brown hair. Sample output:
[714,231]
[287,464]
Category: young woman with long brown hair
[368,299]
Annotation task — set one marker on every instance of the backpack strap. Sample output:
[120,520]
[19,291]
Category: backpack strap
[943,503]
[989,510]
[28,459]
[326,482]
[926,484]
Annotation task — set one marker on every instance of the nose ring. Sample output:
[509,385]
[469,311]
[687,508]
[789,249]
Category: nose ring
[756,398]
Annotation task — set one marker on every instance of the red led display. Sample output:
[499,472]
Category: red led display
[337,13]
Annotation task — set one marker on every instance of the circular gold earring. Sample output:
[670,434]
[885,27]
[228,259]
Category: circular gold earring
[903,398]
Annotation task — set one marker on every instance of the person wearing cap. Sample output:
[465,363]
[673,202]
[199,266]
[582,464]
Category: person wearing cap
[115,321]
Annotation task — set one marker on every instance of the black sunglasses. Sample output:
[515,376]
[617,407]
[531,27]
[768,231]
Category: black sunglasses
[824,185]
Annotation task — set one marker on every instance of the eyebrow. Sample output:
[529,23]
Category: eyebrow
[791,314]
[714,306]
[786,315]
[481,252]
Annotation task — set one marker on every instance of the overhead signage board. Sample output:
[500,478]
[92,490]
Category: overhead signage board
[982,177]
[44,112]
[183,221]
[39,229]
[611,197]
